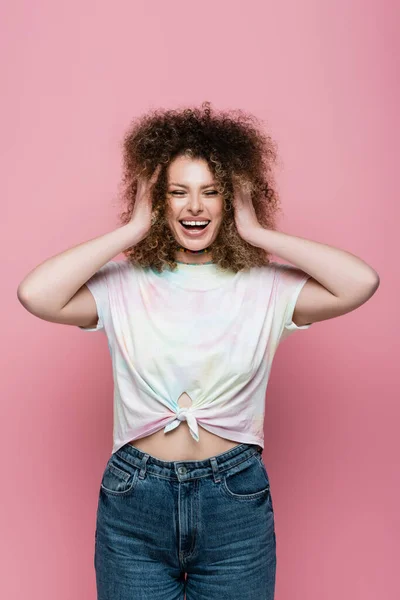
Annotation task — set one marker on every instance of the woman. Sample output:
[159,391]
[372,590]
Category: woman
[193,317]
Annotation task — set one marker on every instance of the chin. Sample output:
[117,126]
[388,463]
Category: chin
[194,245]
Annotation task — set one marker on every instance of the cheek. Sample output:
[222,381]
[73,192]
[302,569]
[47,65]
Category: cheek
[172,208]
[219,215]
[169,211]
[219,209]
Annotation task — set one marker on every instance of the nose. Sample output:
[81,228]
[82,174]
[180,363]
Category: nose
[195,203]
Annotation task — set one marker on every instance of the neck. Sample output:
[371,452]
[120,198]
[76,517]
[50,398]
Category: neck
[181,262]
[184,255]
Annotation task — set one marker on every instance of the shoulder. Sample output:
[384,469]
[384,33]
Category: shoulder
[286,272]
[122,266]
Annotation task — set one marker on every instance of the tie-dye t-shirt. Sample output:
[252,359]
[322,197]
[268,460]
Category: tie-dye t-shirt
[201,330]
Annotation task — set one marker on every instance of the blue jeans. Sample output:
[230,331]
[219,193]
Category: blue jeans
[204,528]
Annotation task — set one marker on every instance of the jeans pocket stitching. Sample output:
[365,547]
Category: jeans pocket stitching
[125,477]
[254,495]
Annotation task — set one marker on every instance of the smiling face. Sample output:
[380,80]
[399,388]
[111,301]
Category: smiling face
[193,196]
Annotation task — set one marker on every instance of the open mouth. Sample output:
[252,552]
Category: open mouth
[195,226]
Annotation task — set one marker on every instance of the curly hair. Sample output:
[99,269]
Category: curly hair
[234,147]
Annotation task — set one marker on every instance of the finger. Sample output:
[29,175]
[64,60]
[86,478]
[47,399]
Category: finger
[155,174]
[235,183]
[237,198]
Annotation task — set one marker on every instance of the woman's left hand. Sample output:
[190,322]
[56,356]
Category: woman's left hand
[245,215]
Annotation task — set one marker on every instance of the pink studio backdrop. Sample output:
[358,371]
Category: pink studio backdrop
[322,77]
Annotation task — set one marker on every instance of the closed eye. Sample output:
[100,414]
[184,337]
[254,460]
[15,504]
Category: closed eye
[212,193]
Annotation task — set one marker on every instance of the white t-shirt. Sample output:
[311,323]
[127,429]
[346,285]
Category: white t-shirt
[200,330]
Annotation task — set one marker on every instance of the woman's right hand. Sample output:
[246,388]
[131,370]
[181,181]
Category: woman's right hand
[141,219]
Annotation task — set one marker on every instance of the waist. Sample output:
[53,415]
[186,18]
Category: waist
[180,445]
[187,469]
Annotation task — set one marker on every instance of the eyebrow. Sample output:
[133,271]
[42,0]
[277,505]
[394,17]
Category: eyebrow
[201,187]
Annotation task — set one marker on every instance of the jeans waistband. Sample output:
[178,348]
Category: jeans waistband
[185,470]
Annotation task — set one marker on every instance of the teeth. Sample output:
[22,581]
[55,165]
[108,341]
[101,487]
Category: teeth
[195,222]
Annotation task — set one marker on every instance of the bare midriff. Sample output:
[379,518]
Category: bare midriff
[179,444]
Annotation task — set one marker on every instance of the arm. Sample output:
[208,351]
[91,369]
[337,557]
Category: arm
[55,291]
[340,281]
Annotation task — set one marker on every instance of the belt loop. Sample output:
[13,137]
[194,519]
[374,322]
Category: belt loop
[214,465]
[143,466]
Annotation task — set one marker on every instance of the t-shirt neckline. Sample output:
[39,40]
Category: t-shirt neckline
[197,277]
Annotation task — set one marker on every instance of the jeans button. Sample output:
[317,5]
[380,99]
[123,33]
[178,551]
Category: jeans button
[182,470]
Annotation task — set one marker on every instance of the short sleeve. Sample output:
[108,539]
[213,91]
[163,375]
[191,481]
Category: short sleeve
[99,285]
[289,281]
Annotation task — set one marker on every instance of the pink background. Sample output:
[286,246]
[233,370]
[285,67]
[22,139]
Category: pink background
[322,75]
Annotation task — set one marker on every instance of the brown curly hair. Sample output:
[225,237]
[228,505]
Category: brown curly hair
[232,145]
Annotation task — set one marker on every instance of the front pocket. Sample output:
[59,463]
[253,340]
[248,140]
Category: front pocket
[118,481]
[246,481]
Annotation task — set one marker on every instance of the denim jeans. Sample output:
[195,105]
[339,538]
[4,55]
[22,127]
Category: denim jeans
[204,528]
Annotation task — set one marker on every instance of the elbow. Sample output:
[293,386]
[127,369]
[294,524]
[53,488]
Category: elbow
[375,283]
[22,295]
[26,298]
